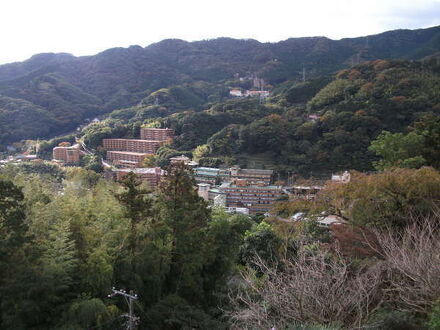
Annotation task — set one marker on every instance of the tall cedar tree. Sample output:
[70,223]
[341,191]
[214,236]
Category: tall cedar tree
[186,216]
[12,230]
[137,204]
[12,225]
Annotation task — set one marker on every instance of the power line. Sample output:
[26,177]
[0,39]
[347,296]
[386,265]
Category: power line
[129,297]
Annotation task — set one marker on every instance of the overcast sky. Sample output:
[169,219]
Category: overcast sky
[86,27]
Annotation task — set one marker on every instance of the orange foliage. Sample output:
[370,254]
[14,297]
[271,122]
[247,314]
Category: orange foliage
[360,113]
[343,74]
[367,88]
[354,241]
[380,65]
[354,74]
[398,99]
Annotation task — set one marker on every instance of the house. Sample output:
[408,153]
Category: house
[344,178]
[262,94]
[235,93]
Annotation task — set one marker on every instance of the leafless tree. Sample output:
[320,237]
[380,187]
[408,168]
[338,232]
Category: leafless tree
[413,262]
[314,288]
[323,287]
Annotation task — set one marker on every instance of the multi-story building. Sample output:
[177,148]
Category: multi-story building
[303,192]
[126,158]
[252,176]
[67,154]
[132,145]
[257,198]
[157,134]
[150,175]
[211,175]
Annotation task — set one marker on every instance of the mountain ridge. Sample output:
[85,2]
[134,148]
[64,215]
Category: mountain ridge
[122,77]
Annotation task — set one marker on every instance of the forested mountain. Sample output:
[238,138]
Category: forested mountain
[62,90]
[320,126]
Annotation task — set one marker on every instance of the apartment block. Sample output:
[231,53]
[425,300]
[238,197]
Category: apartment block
[126,158]
[211,175]
[132,145]
[150,175]
[157,134]
[252,176]
[257,198]
[67,155]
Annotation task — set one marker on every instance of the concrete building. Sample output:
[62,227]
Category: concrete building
[211,175]
[132,145]
[252,176]
[67,154]
[126,158]
[203,190]
[257,198]
[150,175]
[26,158]
[157,134]
[241,210]
[263,94]
[183,159]
[304,192]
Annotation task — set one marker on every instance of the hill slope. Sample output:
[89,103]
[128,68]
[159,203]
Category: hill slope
[69,89]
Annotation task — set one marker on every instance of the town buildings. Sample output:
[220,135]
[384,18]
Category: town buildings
[183,159]
[131,152]
[157,134]
[126,158]
[150,175]
[68,155]
[132,145]
[252,176]
[213,175]
[257,198]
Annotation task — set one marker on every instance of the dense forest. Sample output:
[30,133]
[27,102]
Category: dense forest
[68,236]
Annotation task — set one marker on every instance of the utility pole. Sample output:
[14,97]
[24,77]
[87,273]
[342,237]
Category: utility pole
[304,74]
[129,297]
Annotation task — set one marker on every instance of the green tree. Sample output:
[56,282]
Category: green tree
[260,242]
[12,220]
[398,150]
[185,215]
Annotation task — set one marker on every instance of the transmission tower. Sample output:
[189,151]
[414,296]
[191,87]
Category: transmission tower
[129,297]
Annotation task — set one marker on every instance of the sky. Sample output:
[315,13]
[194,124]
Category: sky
[86,27]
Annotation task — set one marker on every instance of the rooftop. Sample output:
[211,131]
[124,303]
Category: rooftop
[136,140]
[130,153]
[143,170]
[230,185]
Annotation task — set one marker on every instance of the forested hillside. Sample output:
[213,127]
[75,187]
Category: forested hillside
[67,236]
[319,126]
[60,91]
